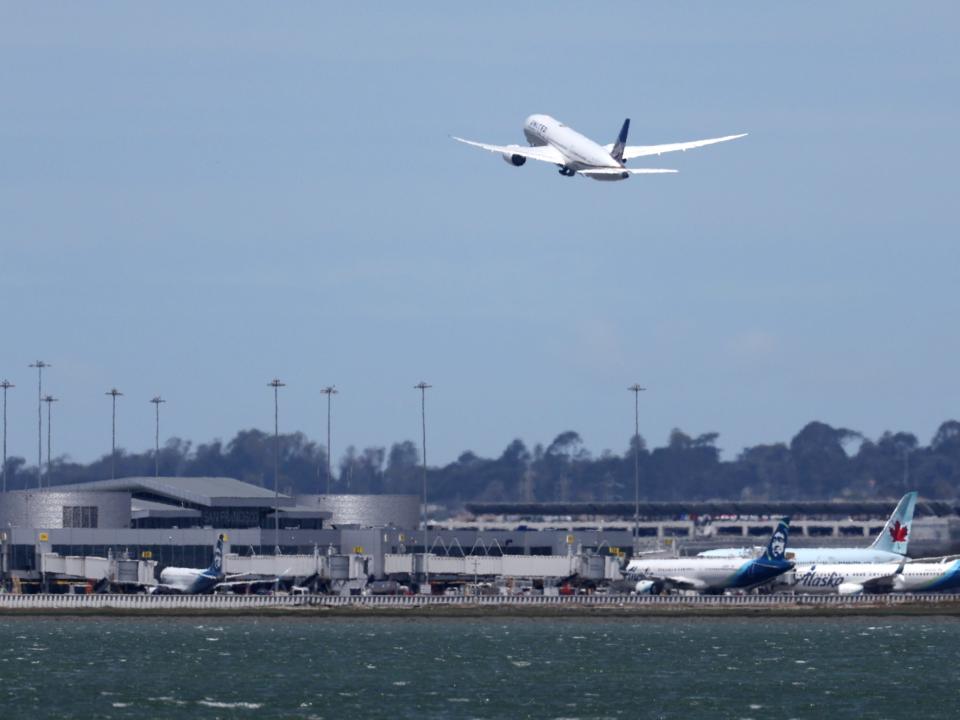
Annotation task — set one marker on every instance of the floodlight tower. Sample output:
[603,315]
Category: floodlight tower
[39,365]
[114,394]
[6,385]
[276,385]
[49,400]
[423,387]
[636,390]
[329,391]
[157,400]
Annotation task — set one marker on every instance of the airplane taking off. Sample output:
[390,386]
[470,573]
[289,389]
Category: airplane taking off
[553,142]
[889,546]
[713,574]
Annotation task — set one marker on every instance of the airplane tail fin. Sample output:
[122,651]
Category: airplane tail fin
[617,152]
[896,533]
[777,547]
[217,567]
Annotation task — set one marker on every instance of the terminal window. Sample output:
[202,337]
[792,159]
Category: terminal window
[79,516]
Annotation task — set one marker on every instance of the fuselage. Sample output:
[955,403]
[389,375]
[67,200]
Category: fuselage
[843,578]
[710,573]
[190,581]
[929,577]
[580,151]
[814,555]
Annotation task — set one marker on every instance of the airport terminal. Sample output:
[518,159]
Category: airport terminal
[121,534]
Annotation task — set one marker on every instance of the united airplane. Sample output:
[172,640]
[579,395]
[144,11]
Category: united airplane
[713,574]
[553,142]
[889,546]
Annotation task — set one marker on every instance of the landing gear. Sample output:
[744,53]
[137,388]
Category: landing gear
[567,172]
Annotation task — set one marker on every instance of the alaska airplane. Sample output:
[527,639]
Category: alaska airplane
[553,142]
[194,581]
[713,574]
[889,546]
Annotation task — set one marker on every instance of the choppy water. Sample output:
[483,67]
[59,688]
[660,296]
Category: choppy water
[390,668]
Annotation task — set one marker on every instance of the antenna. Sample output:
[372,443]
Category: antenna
[329,391]
[423,387]
[636,390]
[276,385]
[39,365]
[157,400]
[114,393]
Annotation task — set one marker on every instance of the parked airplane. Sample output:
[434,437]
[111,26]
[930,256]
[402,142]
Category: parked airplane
[842,578]
[713,574]
[889,546]
[194,581]
[553,142]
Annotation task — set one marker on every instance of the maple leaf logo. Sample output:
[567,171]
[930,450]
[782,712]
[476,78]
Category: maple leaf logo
[899,532]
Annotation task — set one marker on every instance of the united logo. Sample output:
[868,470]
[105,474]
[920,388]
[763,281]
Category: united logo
[899,532]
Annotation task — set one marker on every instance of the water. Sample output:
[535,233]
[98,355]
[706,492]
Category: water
[461,668]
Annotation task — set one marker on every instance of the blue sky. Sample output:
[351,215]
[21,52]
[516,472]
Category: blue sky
[198,198]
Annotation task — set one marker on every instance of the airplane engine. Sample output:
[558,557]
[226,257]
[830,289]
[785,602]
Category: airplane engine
[849,588]
[645,587]
[515,160]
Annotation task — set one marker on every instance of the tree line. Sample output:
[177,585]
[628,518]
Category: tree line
[820,462]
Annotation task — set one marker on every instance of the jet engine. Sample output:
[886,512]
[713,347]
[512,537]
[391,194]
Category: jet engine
[645,587]
[849,588]
[515,160]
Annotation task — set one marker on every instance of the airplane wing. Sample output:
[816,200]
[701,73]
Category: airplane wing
[635,151]
[685,583]
[544,153]
[619,172]
[883,584]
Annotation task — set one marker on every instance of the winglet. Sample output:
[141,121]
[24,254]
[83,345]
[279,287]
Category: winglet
[617,152]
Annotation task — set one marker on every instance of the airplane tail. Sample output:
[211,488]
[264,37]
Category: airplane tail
[777,547]
[896,533]
[217,567]
[617,152]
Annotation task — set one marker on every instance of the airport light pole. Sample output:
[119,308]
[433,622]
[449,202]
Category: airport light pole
[114,394]
[329,391]
[422,387]
[157,400]
[276,385]
[39,365]
[636,390]
[49,400]
[6,385]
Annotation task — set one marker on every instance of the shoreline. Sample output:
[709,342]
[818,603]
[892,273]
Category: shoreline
[475,611]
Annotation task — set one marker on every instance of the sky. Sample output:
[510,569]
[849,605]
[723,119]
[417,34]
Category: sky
[196,198]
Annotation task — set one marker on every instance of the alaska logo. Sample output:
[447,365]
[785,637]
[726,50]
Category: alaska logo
[899,532]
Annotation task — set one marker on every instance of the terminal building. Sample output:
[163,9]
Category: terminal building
[174,521]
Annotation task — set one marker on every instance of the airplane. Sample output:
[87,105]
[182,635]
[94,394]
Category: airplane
[194,581]
[889,546]
[842,578]
[553,142]
[713,574]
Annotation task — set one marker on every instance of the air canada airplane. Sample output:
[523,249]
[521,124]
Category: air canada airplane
[713,574]
[553,142]
[889,546]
